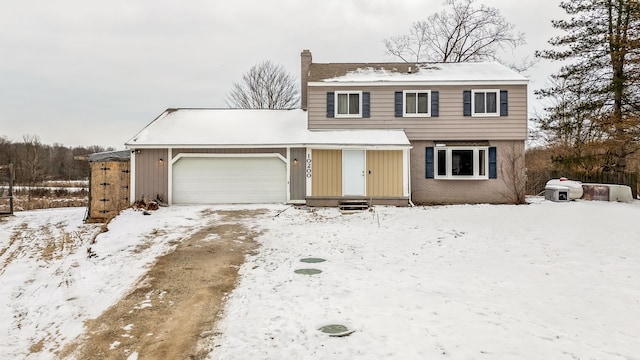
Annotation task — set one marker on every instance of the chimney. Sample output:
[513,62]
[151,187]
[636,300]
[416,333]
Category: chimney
[305,66]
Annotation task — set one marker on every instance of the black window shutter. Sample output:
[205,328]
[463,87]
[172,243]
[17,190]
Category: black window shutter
[435,103]
[398,102]
[466,102]
[429,162]
[330,104]
[366,104]
[493,163]
[504,103]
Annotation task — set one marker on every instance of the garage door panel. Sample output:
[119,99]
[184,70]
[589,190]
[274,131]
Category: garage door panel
[222,180]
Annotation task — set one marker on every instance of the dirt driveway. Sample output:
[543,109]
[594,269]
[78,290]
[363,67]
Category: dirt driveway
[171,312]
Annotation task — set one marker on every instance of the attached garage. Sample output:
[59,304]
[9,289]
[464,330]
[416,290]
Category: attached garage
[253,156]
[229,179]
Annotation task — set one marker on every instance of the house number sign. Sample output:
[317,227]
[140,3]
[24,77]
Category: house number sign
[308,166]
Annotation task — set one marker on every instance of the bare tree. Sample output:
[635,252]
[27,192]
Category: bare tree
[265,86]
[33,161]
[5,150]
[513,174]
[461,32]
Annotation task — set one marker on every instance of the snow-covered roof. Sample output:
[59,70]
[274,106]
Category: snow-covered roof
[437,73]
[255,128]
[121,155]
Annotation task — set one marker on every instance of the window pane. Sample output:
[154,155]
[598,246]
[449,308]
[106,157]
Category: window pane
[423,103]
[354,103]
[343,102]
[482,161]
[410,103]
[492,103]
[478,99]
[442,162]
[462,162]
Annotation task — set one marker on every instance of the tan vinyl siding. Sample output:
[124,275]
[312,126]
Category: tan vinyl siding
[384,173]
[298,180]
[450,125]
[151,175]
[326,170]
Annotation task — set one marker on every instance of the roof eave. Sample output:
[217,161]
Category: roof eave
[338,83]
[264,146]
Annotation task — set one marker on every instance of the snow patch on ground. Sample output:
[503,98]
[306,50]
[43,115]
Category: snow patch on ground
[49,285]
[542,281]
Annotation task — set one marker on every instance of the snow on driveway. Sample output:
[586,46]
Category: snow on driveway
[49,285]
[543,281]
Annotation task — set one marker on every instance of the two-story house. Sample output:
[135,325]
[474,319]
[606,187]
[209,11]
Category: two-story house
[467,122]
[387,133]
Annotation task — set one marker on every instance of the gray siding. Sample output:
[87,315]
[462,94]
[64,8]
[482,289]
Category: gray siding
[298,180]
[450,125]
[151,175]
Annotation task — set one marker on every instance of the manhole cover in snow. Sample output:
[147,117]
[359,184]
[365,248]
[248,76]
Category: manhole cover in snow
[308,271]
[336,330]
[312,260]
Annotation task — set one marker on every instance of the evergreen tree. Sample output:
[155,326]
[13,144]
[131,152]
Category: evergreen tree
[600,76]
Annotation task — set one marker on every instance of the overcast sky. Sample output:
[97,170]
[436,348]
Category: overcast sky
[78,72]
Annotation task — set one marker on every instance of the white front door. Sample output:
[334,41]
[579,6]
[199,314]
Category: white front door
[353,172]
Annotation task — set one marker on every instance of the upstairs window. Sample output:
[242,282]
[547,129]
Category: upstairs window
[416,103]
[348,104]
[344,104]
[485,103]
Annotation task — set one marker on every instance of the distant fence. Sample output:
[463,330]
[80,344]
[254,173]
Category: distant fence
[536,180]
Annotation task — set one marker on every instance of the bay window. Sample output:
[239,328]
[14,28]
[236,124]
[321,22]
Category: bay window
[461,162]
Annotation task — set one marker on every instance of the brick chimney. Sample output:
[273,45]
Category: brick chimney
[305,65]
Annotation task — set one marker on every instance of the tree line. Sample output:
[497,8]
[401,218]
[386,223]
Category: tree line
[34,162]
[593,119]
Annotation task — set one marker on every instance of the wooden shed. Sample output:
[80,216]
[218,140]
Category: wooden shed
[108,184]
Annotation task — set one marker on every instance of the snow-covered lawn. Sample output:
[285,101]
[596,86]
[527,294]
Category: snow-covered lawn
[541,281]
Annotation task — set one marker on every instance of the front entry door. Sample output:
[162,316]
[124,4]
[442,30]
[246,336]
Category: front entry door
[353,172]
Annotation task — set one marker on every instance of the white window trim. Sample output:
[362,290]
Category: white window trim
[335,102]
[404,105]
[485,114]
[449,167]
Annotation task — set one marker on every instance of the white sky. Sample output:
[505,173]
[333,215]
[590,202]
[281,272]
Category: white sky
[79,72]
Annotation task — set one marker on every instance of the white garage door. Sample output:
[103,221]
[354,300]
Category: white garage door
[233,180]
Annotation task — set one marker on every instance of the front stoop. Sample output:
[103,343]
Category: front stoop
[353,205]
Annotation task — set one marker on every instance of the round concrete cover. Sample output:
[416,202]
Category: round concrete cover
[308,271]
[336,330]
[312,260]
